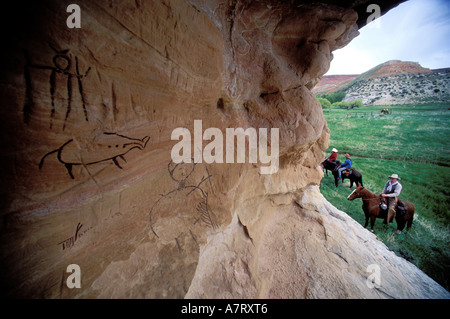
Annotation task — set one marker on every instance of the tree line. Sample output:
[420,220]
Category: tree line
[336,99]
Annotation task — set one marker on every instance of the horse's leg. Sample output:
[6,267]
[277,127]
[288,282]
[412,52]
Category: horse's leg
[351,183]
[385,217]
[400,224]
[367,221]
[410,221]
[372,222]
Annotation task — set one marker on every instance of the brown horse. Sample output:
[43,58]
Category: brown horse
[372,209]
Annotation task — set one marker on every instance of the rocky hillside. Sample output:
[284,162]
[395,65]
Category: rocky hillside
[332,83]
[395,82]
[91,122]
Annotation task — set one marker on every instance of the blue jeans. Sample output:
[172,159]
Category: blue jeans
[342,169]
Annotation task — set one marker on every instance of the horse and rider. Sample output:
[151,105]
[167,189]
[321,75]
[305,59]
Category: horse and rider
[331,162]
[375,206]
[391,192]
[341,170]
[385,205]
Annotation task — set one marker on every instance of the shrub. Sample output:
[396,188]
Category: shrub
[336,96]
[333,97]
[342,105]
[324,102]
[356,103]
[348,105]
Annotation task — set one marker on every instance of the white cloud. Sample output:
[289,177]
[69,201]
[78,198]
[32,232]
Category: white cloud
[350,61]
[416,30]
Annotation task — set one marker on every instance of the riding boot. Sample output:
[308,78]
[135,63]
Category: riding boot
[391,209]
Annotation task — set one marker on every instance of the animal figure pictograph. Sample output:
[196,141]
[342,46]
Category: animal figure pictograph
[180,174]
[70,154]
[61,65]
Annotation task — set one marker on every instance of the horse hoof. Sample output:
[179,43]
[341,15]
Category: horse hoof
[398,232]
[371,231]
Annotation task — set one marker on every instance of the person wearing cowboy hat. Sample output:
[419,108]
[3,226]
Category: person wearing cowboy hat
[346,165]
[333,157]
[391,192]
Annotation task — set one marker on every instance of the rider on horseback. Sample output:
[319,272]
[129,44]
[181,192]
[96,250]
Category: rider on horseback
[331,164]
[333,157]
[347,164]
[391,191]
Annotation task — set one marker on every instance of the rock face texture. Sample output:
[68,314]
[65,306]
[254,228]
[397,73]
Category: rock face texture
[292,254]
[88,177]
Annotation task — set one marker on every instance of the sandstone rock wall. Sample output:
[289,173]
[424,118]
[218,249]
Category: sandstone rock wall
[87,176]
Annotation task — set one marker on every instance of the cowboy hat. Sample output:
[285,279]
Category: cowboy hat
[347,155]
[334,150]
[394,176]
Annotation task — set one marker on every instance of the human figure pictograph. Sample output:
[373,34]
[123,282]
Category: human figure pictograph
[62,64]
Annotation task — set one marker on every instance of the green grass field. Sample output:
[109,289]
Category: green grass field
[414,142]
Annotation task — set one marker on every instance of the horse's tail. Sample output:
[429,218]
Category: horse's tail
[410,221]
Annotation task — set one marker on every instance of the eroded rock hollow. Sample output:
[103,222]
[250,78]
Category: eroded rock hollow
[88,177]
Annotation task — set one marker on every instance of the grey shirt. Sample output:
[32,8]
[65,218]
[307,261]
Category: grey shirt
[397,191]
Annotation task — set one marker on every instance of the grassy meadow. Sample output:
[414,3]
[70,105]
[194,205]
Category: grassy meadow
[414,142]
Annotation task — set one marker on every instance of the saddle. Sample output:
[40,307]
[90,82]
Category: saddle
[401,208]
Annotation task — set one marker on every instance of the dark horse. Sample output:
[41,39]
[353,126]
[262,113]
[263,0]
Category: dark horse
[353,175]
[330,166]
[372,209]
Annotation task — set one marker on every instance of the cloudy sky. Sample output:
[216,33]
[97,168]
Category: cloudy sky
[416,30]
